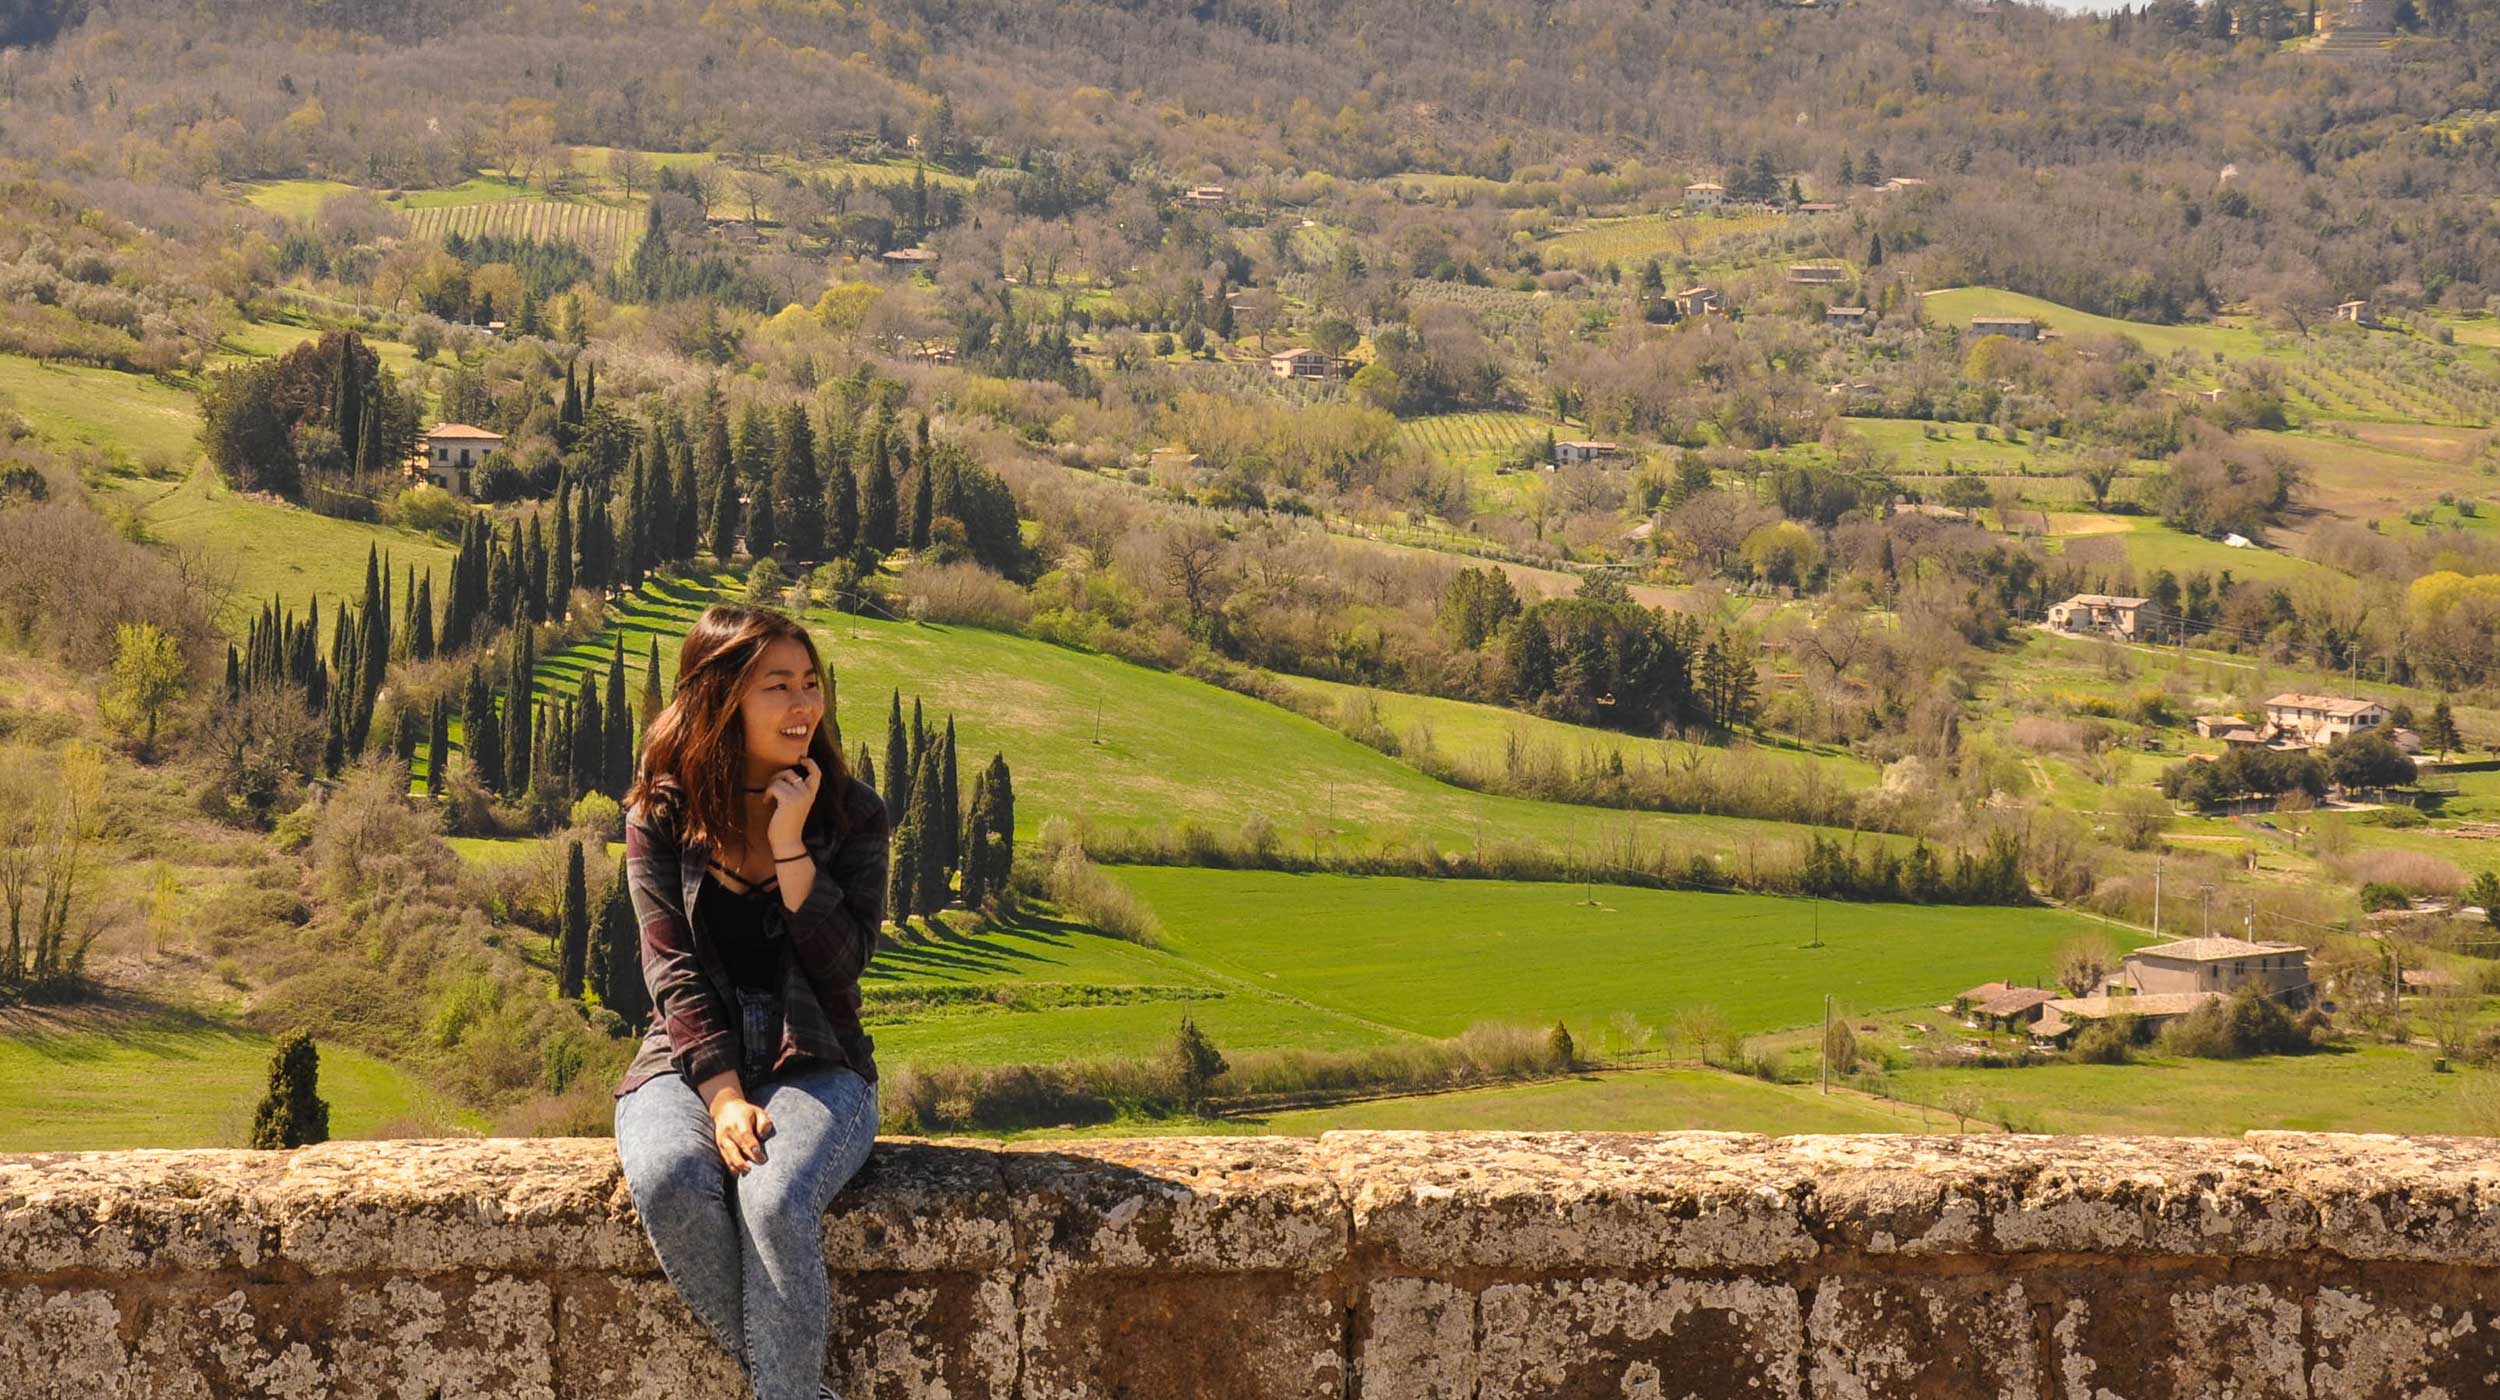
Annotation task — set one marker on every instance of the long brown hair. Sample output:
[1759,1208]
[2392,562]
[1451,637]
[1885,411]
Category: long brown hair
[694,757]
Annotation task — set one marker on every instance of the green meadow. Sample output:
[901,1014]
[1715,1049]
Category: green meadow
[2359,1089]
[1954,307]
[86,1087]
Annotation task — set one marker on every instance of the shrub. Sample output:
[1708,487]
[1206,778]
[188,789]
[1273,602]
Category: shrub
[2378,896]
[2106,1042]
[2248,1023]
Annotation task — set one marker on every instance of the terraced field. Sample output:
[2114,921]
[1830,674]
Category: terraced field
[606,234]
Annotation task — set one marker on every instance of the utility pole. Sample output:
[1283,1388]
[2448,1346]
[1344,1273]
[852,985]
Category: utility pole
[1827,1042]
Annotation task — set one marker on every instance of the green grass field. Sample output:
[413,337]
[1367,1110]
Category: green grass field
[2370,1089]
[1477,736]
[1100,740]
[125,414]
[1642,236]
[1954,307]
[1432,957]
[274,550]
[173,1082]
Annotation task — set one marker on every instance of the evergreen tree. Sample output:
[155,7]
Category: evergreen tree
[652,701]
[763,522]
[1196,1065]
[927,821]
[616,957]
[292,1114]
[560,556]
[864,770]
[902,878]
[1875,251]
[479,738]
[421,619]
[724,538]
[711,459]
[686,507]
[897,789]
[619,731]
[877,508]
[798,490]
[572,926]
[841,509]
[438,747]
[751,452]
[973,843]
[999,791]
[534,576]
[1531,661]
[590,750]
[923,502]
[950,823]
[519,756]
[633,561]
[2441,734]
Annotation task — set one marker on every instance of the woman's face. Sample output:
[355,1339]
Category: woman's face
[781,708]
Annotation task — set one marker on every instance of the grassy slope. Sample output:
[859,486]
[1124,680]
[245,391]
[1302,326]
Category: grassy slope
[1953,307]
[1168,749]
[120,413]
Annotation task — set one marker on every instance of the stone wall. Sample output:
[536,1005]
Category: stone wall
[1392,1266]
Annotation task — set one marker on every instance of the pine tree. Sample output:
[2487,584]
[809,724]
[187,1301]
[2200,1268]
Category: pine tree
[798,490]
[927,820]
[572,926]
[2442,735]
[292,1113]
[902,878]
[619,732]
[897,789]
[763,522]
[616,957]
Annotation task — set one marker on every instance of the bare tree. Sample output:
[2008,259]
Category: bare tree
[630,169]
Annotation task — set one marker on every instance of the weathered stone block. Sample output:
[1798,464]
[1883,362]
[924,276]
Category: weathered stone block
[421,1207]
[1910,1339]
[2157,1336]
[2430,1199]
[131,1211]
[2374,1344]
[1239,1336]
[1640,1339]
[1416,1340]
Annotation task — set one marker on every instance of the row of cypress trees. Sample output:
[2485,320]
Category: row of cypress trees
[944,849]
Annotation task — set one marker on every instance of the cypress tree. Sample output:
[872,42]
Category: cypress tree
[618,766]
[560,556]
[437,747]
[334,748]
[798,491]
[534,579]
[292,1114]
[973,842]
[902,877]
[763,524]
[751,454]
[651,698]
[919,739]
[630,560]
[711,460]
[234,674]
[572,926]
[421,619]
[686,501]
[724,539]
[616,957]
[590,749]
[519,742]
[479,738]
[926,821]
[876,511]
[897,788]
[503,587]
[922,502]
[864,770]
[1001,787]
[841,510]
[950,822]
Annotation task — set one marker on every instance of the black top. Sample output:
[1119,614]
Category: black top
[745,925]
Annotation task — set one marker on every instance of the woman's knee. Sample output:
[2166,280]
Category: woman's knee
[674,1172]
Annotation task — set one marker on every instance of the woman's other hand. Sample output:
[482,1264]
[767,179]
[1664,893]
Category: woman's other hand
[738,1130]
[792,793]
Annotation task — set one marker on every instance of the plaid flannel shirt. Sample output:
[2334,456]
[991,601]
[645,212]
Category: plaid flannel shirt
[696,1028]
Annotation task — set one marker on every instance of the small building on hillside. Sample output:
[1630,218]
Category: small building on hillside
[911,259]
[2064,1016]
[1699,301]
[2323,719]
[1847,318]
[1818,206]
[2215,726]
[1300,362]
[1207,197]
[454,452]
[1704,194]
[2129,618]
[1581,453]
[1980,995]
[2219,965]
[2011,327]
[2014,1007]
[2359,311]
[1899,183]
[1817,274]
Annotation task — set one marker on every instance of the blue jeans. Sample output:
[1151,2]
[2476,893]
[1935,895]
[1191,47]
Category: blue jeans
[748,1253]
